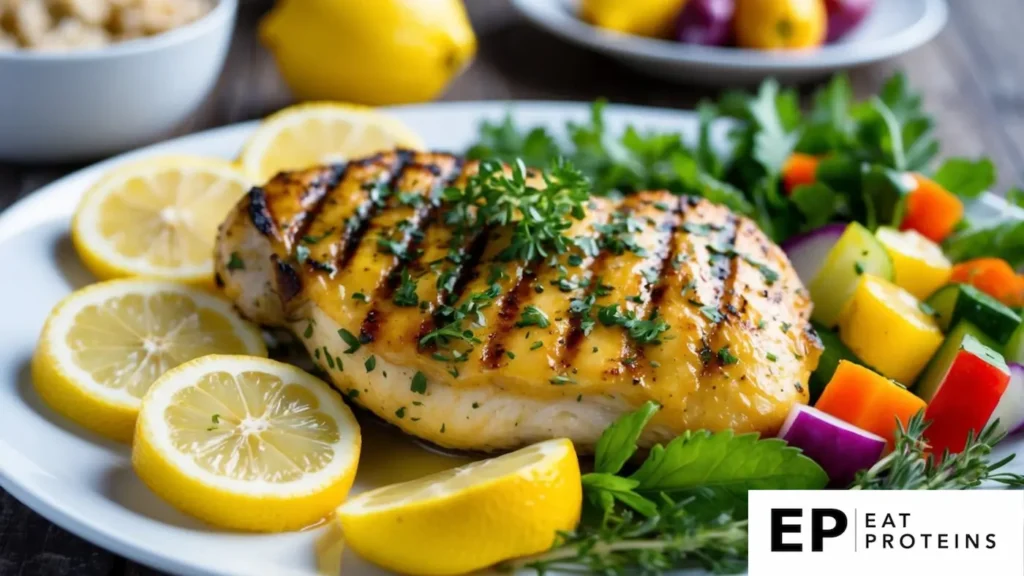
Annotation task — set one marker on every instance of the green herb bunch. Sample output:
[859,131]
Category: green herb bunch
[868,148]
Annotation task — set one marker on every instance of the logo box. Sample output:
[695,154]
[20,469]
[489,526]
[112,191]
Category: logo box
[962,533]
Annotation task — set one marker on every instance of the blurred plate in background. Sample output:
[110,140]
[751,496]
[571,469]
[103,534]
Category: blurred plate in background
[892,28]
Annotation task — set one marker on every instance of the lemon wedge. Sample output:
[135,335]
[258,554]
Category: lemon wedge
[104,345]
[246,443]
[157,218]
[321,133]
[470,517]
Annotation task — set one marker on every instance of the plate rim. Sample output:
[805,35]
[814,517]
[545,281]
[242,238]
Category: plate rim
[552,16]
[17,473]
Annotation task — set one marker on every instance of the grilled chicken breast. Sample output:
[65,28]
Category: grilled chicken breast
[711,320]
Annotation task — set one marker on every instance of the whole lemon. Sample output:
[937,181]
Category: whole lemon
[369,51]
[653,18]
[780,24]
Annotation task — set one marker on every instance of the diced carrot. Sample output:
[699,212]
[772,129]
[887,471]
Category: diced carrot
[931,210]
[799,169]
[992,276]
[868,400]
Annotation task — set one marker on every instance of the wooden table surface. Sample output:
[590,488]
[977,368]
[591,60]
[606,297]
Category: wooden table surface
[971,77]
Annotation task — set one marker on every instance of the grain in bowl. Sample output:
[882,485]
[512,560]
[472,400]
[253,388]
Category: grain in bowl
[60,25]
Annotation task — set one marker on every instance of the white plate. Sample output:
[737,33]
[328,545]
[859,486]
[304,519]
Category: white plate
[892,28]
[85,484]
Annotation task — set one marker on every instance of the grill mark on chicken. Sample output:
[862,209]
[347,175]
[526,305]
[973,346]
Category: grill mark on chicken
[358,230]
[516,299]
[318,193]
[423,216]
[654,293]
[723,273]
[259,213]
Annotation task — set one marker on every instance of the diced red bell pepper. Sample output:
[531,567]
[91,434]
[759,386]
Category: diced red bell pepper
[966,397]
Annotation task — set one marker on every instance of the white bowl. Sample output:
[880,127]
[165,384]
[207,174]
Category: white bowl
[79,105]
[892,28]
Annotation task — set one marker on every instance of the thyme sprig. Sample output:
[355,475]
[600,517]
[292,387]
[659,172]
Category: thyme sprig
[911,467]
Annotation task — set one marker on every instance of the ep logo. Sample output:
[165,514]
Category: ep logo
[824,523]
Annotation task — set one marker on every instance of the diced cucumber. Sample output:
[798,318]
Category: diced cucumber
[936,370]
[957,302]
[1015,347]
[857,252]
[834,351]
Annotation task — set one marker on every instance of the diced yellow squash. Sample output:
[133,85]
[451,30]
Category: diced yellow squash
[885,327]
[920,266]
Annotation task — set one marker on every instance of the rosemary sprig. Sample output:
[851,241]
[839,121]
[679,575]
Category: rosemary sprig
[911,467]
[670,540]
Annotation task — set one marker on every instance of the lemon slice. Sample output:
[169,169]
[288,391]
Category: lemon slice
[246,443]
[157,218]
[469,517]
[103,346]
[321,133]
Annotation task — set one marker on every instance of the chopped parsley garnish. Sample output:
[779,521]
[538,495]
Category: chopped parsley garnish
[533,316]
[712,313]
[370,363]
[361,297]
[236,262]
[419,383]
[455,323]
[511,355]
[309,329]
[771,357]
[330,359]
[413,199]
[562,380]
[405,294]
[541,217]
[761,324]
[352,341]
[301,254]
[536,345]
[400,412]
[651,275]
[785,327]
[617,236]
[640,331]
[769,274]
[635,298]
[726,356]
[310,239]
[858,268]
[574,260]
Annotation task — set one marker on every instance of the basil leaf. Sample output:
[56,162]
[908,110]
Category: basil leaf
[727,465]
[966,178]
[618,442]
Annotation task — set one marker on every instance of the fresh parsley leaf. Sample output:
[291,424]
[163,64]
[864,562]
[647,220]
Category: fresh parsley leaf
[370,363]
[816,202]
[419,383]
[350,339]
[236,262]
[966,178]
[405,294]
[533,316]
[1003,239]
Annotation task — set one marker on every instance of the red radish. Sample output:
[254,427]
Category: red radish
[840,448]
[845,15]
[967,395]
[706,22]
[808,251]
[1010,410]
